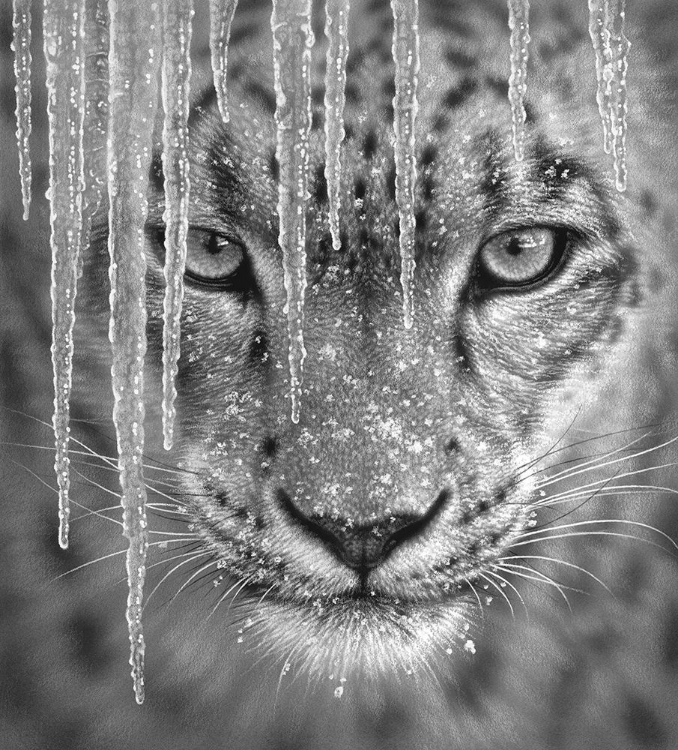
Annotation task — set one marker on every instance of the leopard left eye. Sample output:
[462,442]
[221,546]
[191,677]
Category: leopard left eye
[520,257]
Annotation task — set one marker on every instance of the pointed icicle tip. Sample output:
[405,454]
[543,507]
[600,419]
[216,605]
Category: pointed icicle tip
[221,18]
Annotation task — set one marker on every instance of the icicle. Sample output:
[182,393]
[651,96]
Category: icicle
[601,45]
[133,80]
[21,45]
[336,31]
[64,54]
[606,27]
[221,18]
[96,111]
[292,43]
[519,23]
[620,46]
[176,75]
[405,106]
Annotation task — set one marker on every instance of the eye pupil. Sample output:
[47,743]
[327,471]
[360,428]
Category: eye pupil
[514,247]
[214,244]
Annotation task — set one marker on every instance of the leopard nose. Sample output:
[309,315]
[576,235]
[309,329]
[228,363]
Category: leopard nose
[364,546]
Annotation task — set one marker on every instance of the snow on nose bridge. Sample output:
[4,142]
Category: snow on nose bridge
[370,438]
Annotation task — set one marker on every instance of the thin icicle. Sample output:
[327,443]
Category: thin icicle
[606,27]
[96,111]
[405,107]
[601,44]
[292,43]
[176,75]
[134,46]
[221,18]
[620,46]
[336,31]
[519,23]
[63,31]
[21,45]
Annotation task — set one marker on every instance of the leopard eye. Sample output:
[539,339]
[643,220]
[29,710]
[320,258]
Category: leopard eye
[520,257]
[212,258]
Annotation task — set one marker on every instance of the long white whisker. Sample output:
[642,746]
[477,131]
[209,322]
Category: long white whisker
[568,564]
[595,522]
[508,583]
[190,557]
[542,577]
[575,471]
[492,582]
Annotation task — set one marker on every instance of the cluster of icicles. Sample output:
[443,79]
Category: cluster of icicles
[102,70]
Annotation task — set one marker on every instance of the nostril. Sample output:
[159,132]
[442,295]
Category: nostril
[366,545]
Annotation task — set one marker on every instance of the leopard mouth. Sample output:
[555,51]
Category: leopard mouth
[357,634]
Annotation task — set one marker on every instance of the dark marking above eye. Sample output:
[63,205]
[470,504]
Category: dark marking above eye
[370,144]
[455,97]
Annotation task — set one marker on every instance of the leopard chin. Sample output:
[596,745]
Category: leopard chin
[369,638]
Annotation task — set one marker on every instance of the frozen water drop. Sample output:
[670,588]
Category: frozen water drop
[221,18]
[176,75]
[405,106]
[134,44]
[292,43]
[519,11]
[63,32]
[336,31]
[21,44]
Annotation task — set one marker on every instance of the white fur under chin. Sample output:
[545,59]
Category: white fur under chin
[358,638]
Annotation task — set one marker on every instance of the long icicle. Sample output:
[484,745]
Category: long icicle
[620,46]
[292,43]
[221,18]
[21,45]
[405,107]
[176,76]
[336,31]
[133,74]
[519,23]
[96,112]
[64,55]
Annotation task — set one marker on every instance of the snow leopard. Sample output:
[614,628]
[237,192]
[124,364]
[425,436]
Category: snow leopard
[468,539]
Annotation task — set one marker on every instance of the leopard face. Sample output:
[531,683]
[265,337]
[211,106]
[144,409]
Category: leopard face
[363,531]
[364,543]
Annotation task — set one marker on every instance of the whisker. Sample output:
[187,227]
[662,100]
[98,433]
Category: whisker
[492,582]
[190,557]
[575,471]
[508,583]
[526,535]
[569,565]
[193,576]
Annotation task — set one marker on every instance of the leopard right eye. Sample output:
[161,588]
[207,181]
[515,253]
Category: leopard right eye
[213,259]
